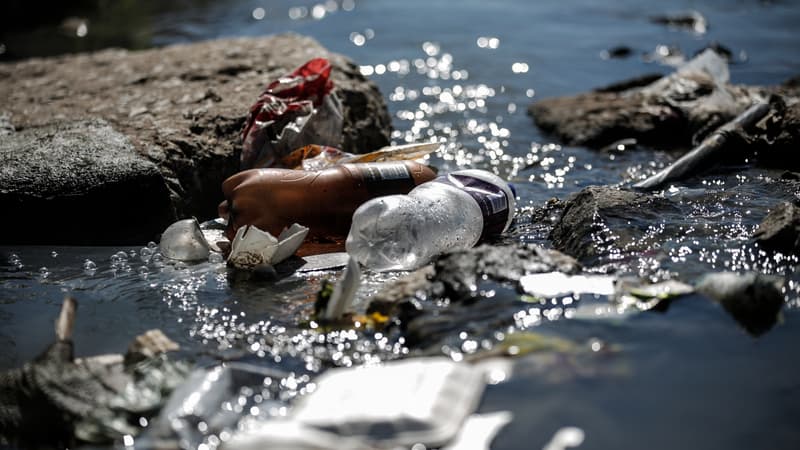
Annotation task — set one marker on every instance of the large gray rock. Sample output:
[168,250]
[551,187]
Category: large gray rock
[80,183]
[674,111]
[183,106]
[600,219]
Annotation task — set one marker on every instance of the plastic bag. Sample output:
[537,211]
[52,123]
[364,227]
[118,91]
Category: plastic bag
[319,157]
[296,110]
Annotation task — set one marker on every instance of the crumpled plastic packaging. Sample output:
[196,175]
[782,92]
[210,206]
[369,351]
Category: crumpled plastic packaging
[319,157]
[252,247]
[296,110]
[701,89]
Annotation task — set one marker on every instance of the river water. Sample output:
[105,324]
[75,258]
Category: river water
[465,72]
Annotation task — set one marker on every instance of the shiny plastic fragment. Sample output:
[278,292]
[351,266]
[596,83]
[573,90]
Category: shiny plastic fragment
[202,398]
[184,241]
[324,261]
[344,292]
[252,247]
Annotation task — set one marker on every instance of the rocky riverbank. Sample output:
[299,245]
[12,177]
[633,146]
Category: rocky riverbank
[165,122]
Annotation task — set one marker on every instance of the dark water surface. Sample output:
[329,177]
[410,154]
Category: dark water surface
[464,72]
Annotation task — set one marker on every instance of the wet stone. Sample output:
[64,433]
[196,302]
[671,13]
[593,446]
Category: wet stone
[755,300]
[661,112]
[599,218]
[780,230]
[79,182]
[460,272]
[778,148]
[182,107]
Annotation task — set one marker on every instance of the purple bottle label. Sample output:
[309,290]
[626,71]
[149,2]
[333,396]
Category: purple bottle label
[490,198]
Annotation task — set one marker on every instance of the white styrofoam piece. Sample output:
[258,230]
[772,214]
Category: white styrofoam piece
[418,400]
[553,284]
[251,246]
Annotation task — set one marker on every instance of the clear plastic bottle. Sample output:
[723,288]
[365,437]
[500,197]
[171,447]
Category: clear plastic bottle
[452,212]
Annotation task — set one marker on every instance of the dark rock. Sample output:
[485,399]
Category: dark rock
[660,112]
[790,176]
[79,183]
[640,81]
[753,299]
[600,218]
[460,272]
[780,230]
[720,49]
[447,298]
[618,52]
[597,119]
[183,106]
[533,224]
[779,147]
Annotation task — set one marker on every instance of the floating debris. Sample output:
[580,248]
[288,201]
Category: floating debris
[252,247]
[184,241]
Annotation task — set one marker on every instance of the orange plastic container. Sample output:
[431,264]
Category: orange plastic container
[323,201]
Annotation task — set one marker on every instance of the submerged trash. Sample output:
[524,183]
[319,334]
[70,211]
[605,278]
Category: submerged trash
[296,110]
[422,400]
[184,241]
[208,397]
[252,247]
[453,212]
[755,300]
[57,399]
